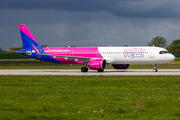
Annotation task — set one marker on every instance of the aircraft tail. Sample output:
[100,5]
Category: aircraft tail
[28,39]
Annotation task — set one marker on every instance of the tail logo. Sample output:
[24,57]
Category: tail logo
[36,50]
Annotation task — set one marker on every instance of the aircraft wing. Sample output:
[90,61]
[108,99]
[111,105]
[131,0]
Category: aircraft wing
[27,52]
[79,58]
[65,56]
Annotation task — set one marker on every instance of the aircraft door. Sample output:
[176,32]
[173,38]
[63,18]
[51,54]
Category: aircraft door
[151,54]
[71,52]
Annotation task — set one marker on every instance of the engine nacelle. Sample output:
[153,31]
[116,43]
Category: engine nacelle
[97,64]
[121,66]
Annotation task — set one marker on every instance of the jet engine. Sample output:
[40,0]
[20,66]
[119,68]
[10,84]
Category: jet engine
[121,66]
[97,64]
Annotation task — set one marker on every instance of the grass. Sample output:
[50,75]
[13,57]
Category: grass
[90,97]
[34,64]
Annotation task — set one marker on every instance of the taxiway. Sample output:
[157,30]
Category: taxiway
[76,72]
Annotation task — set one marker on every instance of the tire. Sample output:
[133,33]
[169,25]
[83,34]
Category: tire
[84,69]
[155,70]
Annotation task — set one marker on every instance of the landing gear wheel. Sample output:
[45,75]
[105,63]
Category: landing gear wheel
[155,70]
[100,70]
[84,69]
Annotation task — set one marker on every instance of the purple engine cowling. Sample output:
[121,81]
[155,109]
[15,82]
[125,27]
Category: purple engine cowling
[121,66]
[97,64]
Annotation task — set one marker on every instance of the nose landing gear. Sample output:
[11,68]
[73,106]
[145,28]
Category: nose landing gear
[154,70]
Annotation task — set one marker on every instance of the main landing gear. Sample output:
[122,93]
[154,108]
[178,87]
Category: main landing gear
[84,69]
[154,70]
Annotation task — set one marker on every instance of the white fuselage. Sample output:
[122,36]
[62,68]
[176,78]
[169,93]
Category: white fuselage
[135,55]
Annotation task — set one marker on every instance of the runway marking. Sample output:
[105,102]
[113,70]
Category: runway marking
[76,72]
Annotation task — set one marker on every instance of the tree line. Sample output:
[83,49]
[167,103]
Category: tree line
[162,42]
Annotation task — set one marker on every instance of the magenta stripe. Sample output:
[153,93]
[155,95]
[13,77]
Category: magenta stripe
[26,31]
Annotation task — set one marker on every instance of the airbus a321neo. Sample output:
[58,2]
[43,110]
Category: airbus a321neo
[96,58]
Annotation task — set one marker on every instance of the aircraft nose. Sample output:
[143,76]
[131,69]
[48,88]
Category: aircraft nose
[172,57]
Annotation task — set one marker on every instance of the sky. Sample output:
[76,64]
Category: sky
[58,23]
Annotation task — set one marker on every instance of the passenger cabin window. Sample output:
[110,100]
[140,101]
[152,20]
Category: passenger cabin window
[163,52]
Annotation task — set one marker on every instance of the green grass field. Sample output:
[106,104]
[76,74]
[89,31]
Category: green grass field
[90,97]
[34,64]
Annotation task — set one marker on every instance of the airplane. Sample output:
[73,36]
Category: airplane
[96,58]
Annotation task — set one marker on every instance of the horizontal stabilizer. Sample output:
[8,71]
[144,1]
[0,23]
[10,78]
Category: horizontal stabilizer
[27,52]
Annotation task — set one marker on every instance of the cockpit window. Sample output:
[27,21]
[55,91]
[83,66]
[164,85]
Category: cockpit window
[163,52]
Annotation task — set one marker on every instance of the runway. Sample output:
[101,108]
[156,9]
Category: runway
[76,72]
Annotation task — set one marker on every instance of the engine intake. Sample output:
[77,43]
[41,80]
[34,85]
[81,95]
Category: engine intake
[121,66]
[97,64]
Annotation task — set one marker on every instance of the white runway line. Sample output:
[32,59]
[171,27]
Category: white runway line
[75,72]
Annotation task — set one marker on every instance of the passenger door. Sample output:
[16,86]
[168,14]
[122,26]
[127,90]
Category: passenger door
[151,54]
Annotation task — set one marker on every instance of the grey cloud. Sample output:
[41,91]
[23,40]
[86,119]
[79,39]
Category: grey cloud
[121,8]
[62,28]
[67,5]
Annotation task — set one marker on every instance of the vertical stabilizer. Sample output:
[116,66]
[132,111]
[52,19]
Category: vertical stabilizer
[27,38]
